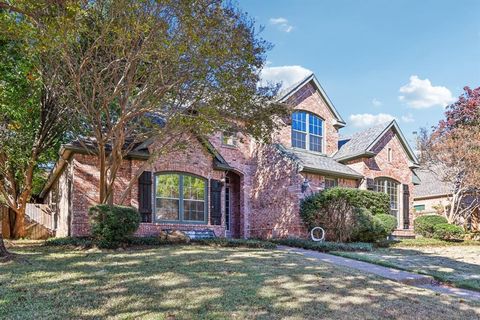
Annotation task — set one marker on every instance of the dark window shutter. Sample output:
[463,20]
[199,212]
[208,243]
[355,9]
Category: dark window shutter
[145,196]
[370,184]
[215,202]
[406,206]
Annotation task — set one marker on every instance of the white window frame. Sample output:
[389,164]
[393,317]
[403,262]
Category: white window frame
[308,133]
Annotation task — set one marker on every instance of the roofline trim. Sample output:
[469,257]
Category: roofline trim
[57,170]
[431,196]
[330,173]
[404,141]
[340,122]
[361,154]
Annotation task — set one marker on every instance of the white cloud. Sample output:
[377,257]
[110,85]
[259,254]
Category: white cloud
[408,118]
[282,24]
[287,75]
[376,102]
[421,94]
[363,120]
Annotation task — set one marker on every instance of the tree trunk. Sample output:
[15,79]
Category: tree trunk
[19,226]
[3,250]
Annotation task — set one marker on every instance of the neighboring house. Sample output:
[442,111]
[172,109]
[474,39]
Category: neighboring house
[432,196]
[239,188]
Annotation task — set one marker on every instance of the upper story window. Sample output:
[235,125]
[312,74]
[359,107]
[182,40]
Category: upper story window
[307,131]
[390,154]
[229,138]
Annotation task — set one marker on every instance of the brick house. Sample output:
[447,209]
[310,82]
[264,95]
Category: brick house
[238,187]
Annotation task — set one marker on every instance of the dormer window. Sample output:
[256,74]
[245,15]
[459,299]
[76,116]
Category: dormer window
[307,131]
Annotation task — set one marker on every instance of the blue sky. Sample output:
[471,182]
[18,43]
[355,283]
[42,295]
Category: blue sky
[376,59]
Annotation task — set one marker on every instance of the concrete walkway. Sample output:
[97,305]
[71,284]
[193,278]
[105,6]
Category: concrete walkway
[404,277]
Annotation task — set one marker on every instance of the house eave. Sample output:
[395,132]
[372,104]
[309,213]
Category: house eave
[364,154]
[432,196]
[330,173]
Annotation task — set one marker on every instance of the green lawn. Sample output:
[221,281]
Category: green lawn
[457,265]
[195,282]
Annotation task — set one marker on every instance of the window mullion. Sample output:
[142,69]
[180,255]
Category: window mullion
[307,130]
[180,198]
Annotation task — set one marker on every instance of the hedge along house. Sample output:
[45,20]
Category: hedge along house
[237,187]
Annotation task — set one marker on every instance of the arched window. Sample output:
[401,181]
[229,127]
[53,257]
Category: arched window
[391,188]
[307,131]
[180,197]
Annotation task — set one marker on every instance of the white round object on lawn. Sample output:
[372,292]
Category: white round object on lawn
[314,238]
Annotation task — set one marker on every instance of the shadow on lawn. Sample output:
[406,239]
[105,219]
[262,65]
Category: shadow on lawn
[203,282]
[443,268]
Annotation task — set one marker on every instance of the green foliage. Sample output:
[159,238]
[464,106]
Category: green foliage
[244,243]
[346,213]
[376,202]
[368,228]
[424,225]
[70,242]
[112,225]
[324,246]
[388,221]
[447,231]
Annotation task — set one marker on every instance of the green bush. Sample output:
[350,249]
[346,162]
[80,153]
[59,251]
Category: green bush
[245,243]
[424,225]
[112,225]
[376,202]
[447,231]
[388,221]
[70,241]
[368,228]
[324,246]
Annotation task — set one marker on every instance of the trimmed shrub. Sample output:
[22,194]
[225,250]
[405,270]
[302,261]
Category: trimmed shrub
[112,225]
[333,209]
[447,231]
[325,246]
[424,225]
[388,221]
[368,228]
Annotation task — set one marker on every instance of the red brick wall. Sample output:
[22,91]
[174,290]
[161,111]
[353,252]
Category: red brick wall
[379,166]
[193,159]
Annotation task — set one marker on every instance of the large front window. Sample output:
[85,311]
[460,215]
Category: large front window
[180,197]
[390,187]
[307,131]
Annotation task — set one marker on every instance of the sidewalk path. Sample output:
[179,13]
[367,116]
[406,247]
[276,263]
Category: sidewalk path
[408,278]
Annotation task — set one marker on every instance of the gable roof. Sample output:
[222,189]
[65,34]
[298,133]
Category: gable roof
[318,163]
[290,91]
[140,152]
[361,143]
[430,185]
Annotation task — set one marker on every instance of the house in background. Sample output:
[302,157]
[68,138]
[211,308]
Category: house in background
[237,187]
[432,196]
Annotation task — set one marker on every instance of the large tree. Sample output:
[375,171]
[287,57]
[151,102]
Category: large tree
[32,113]
[190,66]
[453,153]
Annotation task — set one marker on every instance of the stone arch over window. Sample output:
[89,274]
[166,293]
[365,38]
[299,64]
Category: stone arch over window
[308,131]
[392,188]
[180,197]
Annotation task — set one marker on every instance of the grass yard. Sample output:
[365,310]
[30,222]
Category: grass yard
[198,282]
[457,265]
